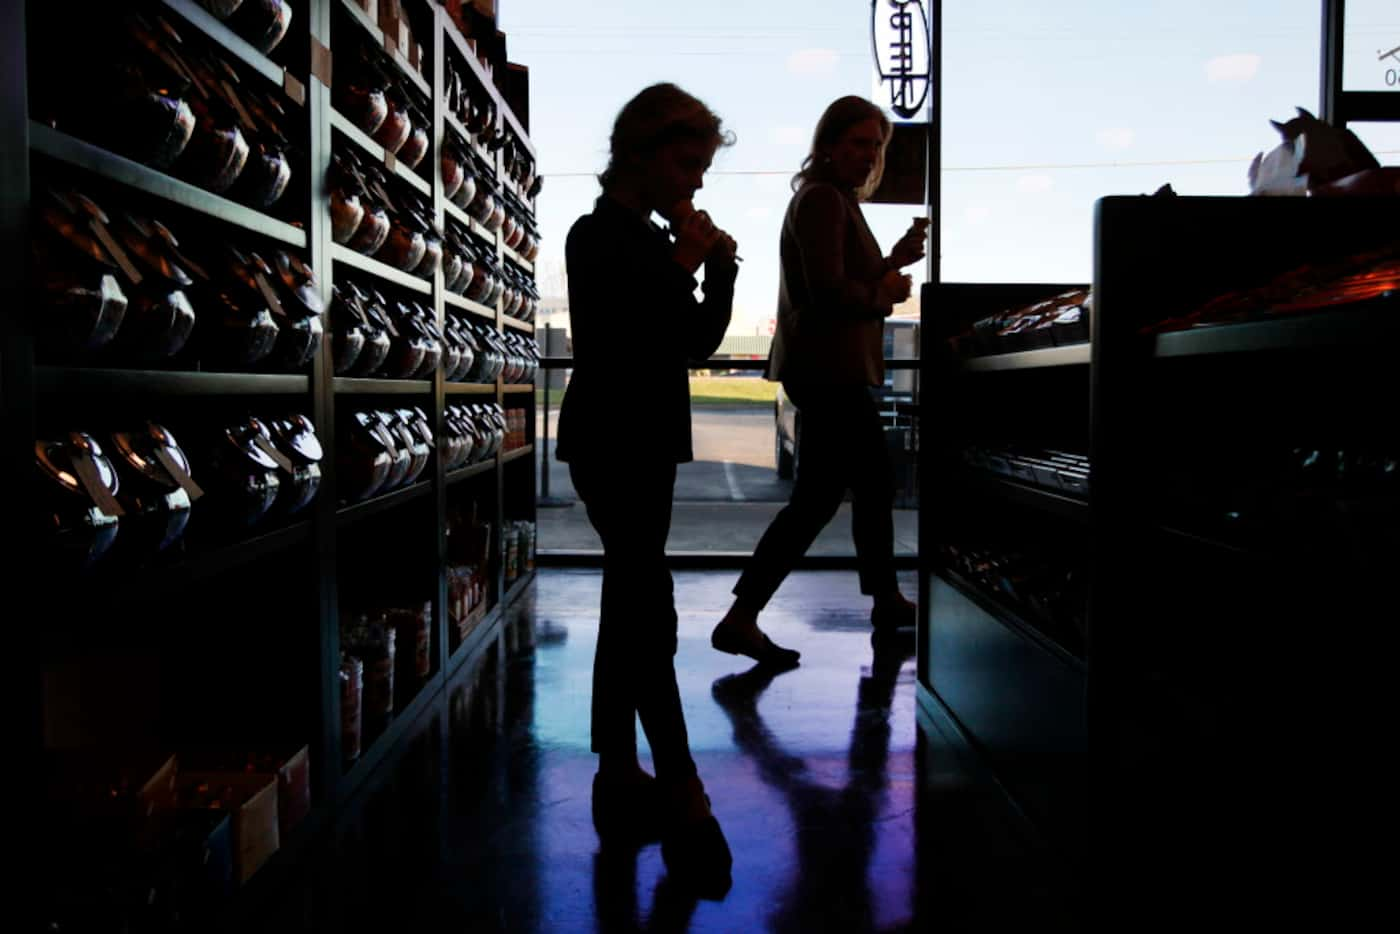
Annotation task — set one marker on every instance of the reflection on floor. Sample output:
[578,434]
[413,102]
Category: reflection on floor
[842,816]
[714,526]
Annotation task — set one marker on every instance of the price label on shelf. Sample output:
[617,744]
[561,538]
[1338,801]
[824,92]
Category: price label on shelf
[273,303]
[178,474]
[320,62]
[88,476]
[277,456]
[236,102]
[293,88]
[115,250]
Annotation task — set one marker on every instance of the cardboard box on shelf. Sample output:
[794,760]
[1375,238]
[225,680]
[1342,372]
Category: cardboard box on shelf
[289,765]
[251,803]
[111,781]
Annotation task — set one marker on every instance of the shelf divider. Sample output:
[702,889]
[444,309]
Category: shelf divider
[377,152]
[348,257]
[62,380]
[74,152]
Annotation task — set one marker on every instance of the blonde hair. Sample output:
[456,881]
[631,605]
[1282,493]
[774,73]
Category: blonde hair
[660,114]
[842,114]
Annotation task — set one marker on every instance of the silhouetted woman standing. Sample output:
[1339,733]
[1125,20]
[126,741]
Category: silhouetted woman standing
[636,323]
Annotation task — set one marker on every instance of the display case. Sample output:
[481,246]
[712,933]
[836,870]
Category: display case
[1133,653]
[212,462]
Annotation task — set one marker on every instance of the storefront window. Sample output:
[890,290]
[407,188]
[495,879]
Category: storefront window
[1371,59]
[1049,107]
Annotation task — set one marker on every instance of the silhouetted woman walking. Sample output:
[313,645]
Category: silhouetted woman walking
[835,289]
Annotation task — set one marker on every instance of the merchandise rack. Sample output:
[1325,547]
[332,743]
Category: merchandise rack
[232,43]
[1193,634]
[28,386]
[77,154]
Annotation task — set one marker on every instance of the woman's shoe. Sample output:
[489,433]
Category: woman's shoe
[891,615]
[763,650]
[627,813]
[693,845]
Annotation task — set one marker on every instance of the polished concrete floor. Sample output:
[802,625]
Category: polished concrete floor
[842,813]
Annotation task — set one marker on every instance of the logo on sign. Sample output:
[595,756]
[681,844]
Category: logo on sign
[1392,75]
[899,36]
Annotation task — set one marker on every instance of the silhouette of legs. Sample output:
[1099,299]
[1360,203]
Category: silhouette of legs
[842,447]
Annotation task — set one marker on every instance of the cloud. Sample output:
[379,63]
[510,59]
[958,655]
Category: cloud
[759,213]
[1116,137]
[813,62]
[978,214]
[1035,184]
[1242,67]
[789,136]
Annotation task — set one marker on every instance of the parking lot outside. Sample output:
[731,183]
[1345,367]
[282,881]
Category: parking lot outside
[724,499]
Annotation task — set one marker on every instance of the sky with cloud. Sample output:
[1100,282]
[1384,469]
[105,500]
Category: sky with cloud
[1047,107]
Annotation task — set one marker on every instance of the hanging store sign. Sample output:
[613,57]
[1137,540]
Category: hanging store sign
[902,46]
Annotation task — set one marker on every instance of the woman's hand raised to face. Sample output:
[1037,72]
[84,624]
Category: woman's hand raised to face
[696,237]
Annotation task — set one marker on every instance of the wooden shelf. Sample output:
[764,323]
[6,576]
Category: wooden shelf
[383,748]
[518,260]
[473,470]
[1071,355]
[1061,504]
[484,633]
[229,42]
[382,387]
[471,389]
[464,49]
[998,609]
[348,257]
[266,884]
[518,588]
[114,585]
[470,223]
[518,453]
[377,153]
[481,151]
[1369,324]
[382,503]
[514,388]
[460,303]
[515,125]
[60,380]
[377,34]
[74,152]
[508,116]
[519,325]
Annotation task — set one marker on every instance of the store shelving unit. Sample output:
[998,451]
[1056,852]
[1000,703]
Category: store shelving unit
[377,153]
[86,157]
[76,379]
[35,393]
[345,256]
[348,385]
[235,45]
[518,453]
[461,303]
[376,505]
[1207,574]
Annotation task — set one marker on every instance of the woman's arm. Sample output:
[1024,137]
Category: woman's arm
[707,320]
[821,226]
